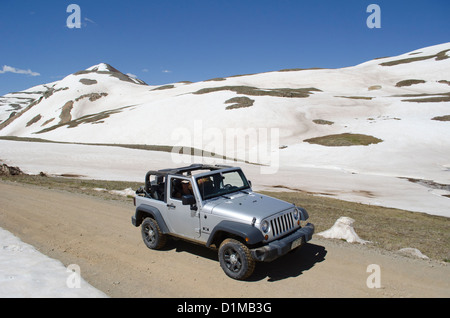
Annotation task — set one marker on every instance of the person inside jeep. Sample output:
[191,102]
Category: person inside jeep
[205,185]
[186,187]
[180,188]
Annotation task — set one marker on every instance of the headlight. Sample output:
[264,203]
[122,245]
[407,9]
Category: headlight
[265,226]
[296,214]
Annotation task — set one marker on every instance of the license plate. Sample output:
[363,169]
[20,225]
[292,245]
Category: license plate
[297,243]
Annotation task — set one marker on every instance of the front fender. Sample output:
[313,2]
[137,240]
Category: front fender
[250,234]
[303,214]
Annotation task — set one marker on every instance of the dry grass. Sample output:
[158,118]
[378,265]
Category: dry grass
[409,82]
[96,118]
[160,88]
[322,122]
[239,102]
[343,140]
[438,57]
[375,87]
[426,98]
[73,183]
[180,150]
[253,91]
[437,99]
[34,120]
[442,118]
[87,81]
[357,97]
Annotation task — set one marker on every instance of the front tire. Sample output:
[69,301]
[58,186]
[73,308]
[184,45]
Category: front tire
[152,235]
[235,259]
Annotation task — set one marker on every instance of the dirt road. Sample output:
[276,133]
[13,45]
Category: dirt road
[97,235]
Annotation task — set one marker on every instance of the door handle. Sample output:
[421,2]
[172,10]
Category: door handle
[171,206]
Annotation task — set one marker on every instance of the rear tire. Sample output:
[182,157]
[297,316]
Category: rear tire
[235,259]
[152,235]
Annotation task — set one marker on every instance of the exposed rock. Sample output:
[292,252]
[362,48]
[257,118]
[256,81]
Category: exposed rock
[87,81]
[6,170]
[65,113]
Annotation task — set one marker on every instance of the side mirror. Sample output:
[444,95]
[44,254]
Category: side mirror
[249,183]
[188,199]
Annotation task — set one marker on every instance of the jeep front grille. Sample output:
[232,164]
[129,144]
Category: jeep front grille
[282,224]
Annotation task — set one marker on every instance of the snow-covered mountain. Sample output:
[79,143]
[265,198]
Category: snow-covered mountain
[78,92]
[388,116]
[100,104]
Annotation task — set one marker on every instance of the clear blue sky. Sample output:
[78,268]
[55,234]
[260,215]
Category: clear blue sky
[175,40]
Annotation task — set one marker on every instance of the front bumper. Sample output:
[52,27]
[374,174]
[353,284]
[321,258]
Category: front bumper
[275,249]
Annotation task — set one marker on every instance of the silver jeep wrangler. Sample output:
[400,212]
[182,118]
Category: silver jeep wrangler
[216,207]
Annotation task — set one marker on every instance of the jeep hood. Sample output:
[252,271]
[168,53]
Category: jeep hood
[244,206]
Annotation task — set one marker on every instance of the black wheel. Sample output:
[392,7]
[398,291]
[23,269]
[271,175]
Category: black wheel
[235,259]
[152,235]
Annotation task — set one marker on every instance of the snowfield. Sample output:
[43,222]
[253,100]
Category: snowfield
[122,164]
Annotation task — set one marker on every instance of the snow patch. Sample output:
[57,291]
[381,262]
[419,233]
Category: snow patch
[102,67]
[24,272]
[128,192]
[343,229]
[413,252]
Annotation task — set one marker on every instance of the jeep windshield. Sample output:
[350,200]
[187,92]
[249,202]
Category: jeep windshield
[221,183]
